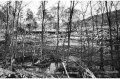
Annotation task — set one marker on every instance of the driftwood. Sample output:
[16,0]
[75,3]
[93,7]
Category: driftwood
[65,69]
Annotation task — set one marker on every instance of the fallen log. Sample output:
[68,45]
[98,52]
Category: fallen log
[65,70]
[42,65]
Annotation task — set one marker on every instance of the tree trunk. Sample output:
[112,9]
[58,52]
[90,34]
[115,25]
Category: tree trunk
[42,36]
[7,35]
[101,51]
[69,26]
[101,48]
[82,49]
[92,34]
[57,28]
[110,30]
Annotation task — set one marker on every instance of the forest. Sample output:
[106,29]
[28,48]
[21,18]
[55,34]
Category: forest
[73,39]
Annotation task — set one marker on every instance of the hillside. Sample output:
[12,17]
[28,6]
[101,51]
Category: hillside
[98,18]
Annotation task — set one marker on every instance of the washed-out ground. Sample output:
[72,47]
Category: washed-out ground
[31,44]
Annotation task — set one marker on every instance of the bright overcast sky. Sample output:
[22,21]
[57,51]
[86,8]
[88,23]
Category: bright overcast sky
[34,4]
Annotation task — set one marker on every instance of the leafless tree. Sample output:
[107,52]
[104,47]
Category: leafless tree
[58,26]
[102,10]
[43,25]
[108,10]
[70,25]
[92,29]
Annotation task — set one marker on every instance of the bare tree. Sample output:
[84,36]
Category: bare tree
[102,9]
[58,26]
[7,35]
[92,30]
[96,21]
[110,29]
[116,17]
[84,25]
[42,35]
[70,25]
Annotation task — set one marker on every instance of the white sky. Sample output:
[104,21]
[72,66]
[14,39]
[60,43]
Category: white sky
[34,4]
